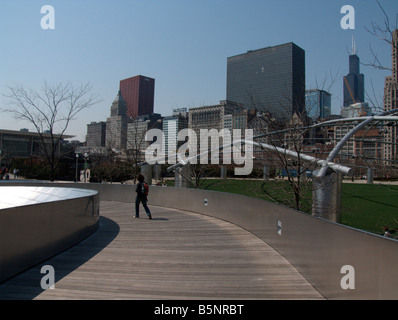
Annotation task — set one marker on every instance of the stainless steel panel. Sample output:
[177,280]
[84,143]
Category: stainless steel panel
[16,196]
[41,223]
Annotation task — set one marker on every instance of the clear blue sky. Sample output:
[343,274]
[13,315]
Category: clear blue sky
[183,44]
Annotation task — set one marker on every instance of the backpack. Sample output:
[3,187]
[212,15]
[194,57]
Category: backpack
[144,188]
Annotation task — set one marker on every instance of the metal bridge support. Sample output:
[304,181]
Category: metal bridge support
[157,171]
[265,173]
[182,176]
[146,171]
[327,183]
[223,173]
[369,176]
[326,195]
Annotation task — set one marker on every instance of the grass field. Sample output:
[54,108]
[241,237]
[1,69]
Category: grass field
[368,207]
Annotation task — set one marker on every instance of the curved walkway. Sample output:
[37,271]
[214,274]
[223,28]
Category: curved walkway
[176,255]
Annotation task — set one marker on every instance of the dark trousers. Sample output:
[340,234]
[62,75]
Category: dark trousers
[137,206]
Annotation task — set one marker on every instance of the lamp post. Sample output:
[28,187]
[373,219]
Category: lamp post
[85,166]
[77,166]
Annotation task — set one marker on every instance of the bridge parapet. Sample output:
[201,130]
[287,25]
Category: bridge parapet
[321,250]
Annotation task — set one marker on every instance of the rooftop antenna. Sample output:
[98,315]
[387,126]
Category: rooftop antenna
[354,49]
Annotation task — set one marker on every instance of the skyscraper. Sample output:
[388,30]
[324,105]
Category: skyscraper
[116,125]
[353,82]
[391,103]
[138,92]
[271,80]
[211,117]
[172,125]
[318,104]
[96,134]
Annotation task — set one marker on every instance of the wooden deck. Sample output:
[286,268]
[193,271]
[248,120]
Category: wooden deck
[176,255]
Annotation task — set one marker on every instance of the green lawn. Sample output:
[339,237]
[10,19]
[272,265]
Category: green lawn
[364,206]
[370,207]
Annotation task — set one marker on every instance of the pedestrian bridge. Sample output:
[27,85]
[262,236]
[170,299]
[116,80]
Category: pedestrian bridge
[210,245]
[176,255]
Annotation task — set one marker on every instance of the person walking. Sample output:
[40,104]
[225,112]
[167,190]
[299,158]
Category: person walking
[141,190]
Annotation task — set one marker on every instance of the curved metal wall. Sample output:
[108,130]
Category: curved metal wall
[32,233]
[319,249]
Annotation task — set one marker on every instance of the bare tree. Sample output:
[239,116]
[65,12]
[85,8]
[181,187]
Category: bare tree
[383,32]
[285,133]
[50,111]
[290,135]
[136,144]
[387,33]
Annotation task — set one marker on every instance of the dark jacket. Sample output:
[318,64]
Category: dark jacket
[138,189]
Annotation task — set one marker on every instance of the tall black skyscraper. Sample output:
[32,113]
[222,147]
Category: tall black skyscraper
[353,82]
[271,79]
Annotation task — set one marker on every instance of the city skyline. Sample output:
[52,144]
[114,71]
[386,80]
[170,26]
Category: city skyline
[182,45]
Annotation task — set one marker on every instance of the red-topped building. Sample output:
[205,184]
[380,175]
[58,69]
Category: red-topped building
[138,93]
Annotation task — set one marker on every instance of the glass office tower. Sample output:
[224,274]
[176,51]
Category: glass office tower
[318,104]
[271,80]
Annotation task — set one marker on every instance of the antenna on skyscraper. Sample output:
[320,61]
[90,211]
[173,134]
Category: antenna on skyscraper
[354,49]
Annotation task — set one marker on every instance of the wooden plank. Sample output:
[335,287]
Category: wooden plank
[176,255]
